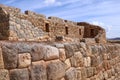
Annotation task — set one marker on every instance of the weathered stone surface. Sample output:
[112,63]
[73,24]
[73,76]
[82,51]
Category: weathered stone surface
[87,61]
[62,54]
[51,53]
[38,71]
[24,60]
[90,72]
[37,52]
[77,60]
[73,74]
[55,70]
[68,64]
[1,59]
[69,50]
[10,56]
[19,74]
[4,74]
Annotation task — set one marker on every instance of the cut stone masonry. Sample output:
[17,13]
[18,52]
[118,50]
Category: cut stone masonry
[34,47]
[30,26]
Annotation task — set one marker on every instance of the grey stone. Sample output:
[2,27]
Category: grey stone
[55,70]
[19,74]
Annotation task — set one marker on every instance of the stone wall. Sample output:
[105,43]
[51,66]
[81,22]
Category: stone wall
[4,18]
[93,31]
[57,61]
[30,26]
[58,28]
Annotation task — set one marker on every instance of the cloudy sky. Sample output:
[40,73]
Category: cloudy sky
[101,12]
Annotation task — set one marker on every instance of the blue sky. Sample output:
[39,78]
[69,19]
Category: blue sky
[101,12]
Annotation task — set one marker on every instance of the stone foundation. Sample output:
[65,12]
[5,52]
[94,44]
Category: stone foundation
[59,61]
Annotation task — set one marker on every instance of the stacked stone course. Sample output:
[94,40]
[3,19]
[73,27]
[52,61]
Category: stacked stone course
[30,26]
[59,61]
[67,50]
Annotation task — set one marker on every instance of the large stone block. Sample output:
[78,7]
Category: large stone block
[51,53]
[1,59]
[10,56]
[62,54]
[69,50]
[55,70]
[24,60]
[37,52]
[4,74]
[73,74]
[77,60]
[38,71]
[19,74]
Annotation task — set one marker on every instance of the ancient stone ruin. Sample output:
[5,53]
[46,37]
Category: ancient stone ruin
[34,47]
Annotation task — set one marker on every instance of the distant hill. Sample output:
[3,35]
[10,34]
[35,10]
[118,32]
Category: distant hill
[114,40]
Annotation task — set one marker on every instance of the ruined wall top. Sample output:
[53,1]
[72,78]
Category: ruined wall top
[10,9]
[30,13]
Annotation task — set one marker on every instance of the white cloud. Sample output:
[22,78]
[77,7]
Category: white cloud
[50,1]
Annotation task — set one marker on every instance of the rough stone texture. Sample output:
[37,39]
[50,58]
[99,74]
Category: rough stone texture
[51,53]
[77,60]
[68,64]
[87,62]
[1,59]
[38,71]
[69,50]
[24,60]
[19,74]
[56,70]
[62,54]
[10,56]
[4,74]
[30,26]
[73,74]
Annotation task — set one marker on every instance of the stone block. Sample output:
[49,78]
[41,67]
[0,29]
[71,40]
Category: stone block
[55,70]
[73,74]
[24,60]
[38,71]
[10,56]
[37,52]
[4,74]
[69,50]
[62,54]
[90,72]
[87,61]
[19,74]
[77,60]
[51,53]
[1,59]
[68,64]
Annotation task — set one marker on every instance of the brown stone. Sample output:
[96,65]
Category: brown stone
[24,60]
[19,74]
[73,74]
[38,71]
[1,59]
[68,64]
[4,74]
[55,70]
[62,54]
[77,60]
[10,56]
